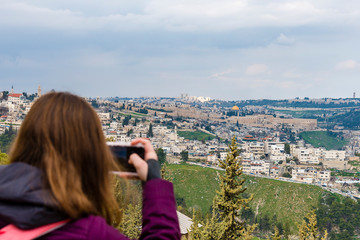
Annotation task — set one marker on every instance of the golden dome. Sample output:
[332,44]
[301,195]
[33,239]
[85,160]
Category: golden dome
[235,108]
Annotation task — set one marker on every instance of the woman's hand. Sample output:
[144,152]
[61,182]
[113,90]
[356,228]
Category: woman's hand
[142,167]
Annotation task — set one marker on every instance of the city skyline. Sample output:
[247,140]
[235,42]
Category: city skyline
[230,50]
[181,96]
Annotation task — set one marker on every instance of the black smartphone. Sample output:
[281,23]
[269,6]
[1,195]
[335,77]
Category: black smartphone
[122,152]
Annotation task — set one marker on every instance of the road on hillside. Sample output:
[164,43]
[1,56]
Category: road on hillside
[333,190]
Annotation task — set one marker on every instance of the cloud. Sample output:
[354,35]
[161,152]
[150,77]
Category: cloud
[257,69]
[17,62]
[292,74]
[222,74]
[282,39]
[167,47]
[347,65]
[292,85]
[176,15]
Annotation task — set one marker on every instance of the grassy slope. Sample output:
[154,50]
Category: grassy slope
[289,201]
[197,135]
[195,184]
[323,139]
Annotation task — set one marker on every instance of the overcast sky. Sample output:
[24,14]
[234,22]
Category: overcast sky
[222,49]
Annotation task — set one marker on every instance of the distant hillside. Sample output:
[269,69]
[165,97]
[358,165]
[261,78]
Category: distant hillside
[326,139]
[349,120]
[195,186]
[285,103]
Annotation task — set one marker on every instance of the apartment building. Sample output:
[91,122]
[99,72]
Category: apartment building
[307,175]
[256,148]
[256,167]
[15,98]
[311,175]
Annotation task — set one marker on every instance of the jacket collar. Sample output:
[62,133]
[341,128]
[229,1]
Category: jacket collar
[24,201]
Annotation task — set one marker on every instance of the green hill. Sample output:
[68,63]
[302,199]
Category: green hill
[290,202]
[326,139]
[196,135]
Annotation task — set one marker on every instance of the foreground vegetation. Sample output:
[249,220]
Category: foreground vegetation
[326,139]
[275,203]
[4,159]
[288,203]
[6,139]
[228,204]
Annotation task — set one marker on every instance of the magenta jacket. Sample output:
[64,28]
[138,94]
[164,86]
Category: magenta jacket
[159,209]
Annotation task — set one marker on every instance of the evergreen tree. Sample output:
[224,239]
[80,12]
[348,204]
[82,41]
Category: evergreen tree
[126,120]
[184,155]
[207,231]
[229,203]
[3,158]
[129,132]
[111,139]
[131,223]
[6,139]
[161,155]
[276,234]
[197,231]
[309,230]
[150,132]
[136,121]
[165,173]
[286,230]
[287,148]
[5,95]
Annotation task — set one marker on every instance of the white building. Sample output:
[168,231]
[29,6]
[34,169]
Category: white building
[104,116]
[223,155]
[323,177]
[311,175]
[256,167]
[212,158]
[307,175]
[15,98]
[114,125]
[256,148]
[334,155]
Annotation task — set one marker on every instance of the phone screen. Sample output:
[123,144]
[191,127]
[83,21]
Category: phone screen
[122,154]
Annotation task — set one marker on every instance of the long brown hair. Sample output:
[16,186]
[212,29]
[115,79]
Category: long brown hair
[62,136]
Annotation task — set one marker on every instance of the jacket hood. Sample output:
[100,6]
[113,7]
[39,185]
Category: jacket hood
[23,200]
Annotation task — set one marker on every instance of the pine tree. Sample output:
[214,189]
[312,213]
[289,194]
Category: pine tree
[111,139]
[196,231]
[184,155]
[164,173]
[161,155]
[3,158]
[206,231]
[276,234]
[150,132]
[228,203]
[132,221]
[308,229]
[286,230]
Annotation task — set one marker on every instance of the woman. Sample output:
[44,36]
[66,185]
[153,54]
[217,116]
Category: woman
[60,167]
